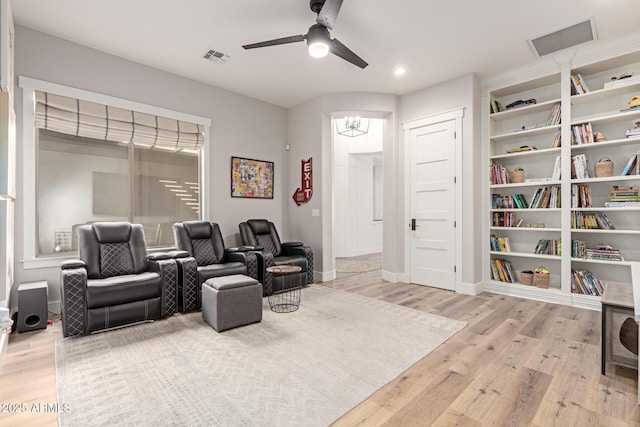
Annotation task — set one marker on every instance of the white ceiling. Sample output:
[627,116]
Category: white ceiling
[434,40]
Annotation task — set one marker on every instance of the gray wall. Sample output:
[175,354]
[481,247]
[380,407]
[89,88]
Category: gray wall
[52,59]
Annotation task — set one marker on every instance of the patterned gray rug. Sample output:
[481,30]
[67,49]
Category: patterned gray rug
[305,368]
[348,265]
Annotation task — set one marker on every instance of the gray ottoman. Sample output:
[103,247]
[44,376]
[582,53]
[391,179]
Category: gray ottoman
[231,301]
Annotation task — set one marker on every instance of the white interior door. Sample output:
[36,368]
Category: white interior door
[432,195]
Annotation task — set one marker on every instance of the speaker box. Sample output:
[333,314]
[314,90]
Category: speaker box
[32,306]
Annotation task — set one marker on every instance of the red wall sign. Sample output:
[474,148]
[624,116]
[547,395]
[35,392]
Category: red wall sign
[303,194]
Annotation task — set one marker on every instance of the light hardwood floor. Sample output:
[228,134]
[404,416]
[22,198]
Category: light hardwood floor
[517,363]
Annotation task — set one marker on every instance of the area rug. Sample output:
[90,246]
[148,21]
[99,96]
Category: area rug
[346,265]
[305,368]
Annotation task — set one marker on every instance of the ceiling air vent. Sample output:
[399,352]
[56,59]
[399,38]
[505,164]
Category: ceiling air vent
[567,37]
[215,56]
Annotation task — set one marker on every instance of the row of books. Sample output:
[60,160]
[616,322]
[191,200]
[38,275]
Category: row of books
[546,197]
[578,85]
[582,134]
[633,132]
[495,106]
[633,165]
[596,220]
[584,282]
[505,219]
[580,196]
[604,253]
[500,244]
[580,166]
[514,201]
[578,249]
[557,140]
[548,247]
[502,271]
[499,174]
[624,194]
[554,116]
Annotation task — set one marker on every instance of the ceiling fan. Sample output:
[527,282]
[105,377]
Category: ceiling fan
[318,38]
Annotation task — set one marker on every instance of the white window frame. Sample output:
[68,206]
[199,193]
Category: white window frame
[30,259]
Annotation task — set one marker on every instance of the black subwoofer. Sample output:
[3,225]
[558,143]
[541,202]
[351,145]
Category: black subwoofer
[32,306]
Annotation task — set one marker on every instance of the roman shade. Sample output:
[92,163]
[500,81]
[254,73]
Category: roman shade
[91,120]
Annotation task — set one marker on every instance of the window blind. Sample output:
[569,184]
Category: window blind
[91,120]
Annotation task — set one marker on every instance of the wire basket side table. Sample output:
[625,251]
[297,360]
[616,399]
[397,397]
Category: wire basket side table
[287,284]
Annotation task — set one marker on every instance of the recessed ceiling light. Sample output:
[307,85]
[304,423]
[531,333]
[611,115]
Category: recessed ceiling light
[399,71]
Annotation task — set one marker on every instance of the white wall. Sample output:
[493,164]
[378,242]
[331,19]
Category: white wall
[462,92]
[355,231]
[48,58]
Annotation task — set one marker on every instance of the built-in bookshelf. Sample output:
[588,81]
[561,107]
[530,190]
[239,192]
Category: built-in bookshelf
[578,143]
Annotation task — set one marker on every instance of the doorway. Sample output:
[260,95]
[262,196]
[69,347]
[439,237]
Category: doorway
[358,171]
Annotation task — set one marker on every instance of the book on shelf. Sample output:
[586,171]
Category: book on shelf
[580,196]
[634,132]
[520,149]
[554,116]
[557,139]
[622,82]
[500,244]
[578,249]
[586,283]
[502,271]
[555,176]
[578,85]
[580,166]
[590,221]
[496,106]
[622,204]
[499,174]
[514,201]
[604,253]
[633,165]
[548,247]
[582,134]
[546,197]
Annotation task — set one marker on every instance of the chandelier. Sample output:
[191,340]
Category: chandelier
[352,126]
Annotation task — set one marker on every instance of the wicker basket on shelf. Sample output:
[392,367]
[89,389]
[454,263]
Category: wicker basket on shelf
[527,277]
[517,175]
[604,167]
[542,277]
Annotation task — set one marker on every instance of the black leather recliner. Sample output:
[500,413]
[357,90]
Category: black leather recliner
[115,283]
[261,232]
[202,241]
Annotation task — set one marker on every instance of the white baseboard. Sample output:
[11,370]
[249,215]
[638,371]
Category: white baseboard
[358,252]
[394,277]
[323,276]
[469,288]
[4,343]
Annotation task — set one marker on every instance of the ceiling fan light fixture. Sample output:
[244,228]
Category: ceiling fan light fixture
[318,49]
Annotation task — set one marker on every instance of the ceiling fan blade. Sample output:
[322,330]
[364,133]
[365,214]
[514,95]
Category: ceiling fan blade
[275,42]
[329,13]
[338,49]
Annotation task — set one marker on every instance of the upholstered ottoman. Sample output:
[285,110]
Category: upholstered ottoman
[231,301]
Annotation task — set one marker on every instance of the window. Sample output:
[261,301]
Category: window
[84,180]
[98,158]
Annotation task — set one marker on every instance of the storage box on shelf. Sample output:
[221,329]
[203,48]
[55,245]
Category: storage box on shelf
[603,150]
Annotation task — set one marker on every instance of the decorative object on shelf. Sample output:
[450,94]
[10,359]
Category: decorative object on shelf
[352,126]
[520,149]
[251,178]
[305,191]
[634,104]
[604,167]
[517,176]
[542,277]
[598,137]
[521,103]
[633,132]
[526,277]
[623,79]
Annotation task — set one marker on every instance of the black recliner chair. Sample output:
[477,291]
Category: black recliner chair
[115,283]
[262,233]
[202,242]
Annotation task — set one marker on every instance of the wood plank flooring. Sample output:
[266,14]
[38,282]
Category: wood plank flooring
[517,362]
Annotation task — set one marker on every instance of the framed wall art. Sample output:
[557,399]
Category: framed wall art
[251,178]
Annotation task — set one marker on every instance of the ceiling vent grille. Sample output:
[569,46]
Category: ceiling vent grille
[574,35]
[216,56]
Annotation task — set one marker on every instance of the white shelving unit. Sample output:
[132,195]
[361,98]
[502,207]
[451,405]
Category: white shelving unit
[527,126]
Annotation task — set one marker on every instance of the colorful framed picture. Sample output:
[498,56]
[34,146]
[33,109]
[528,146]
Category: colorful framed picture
[251,178]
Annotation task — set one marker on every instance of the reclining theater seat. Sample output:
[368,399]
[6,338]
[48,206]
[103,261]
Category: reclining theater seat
[261,232]
[114,283]
[202,241]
